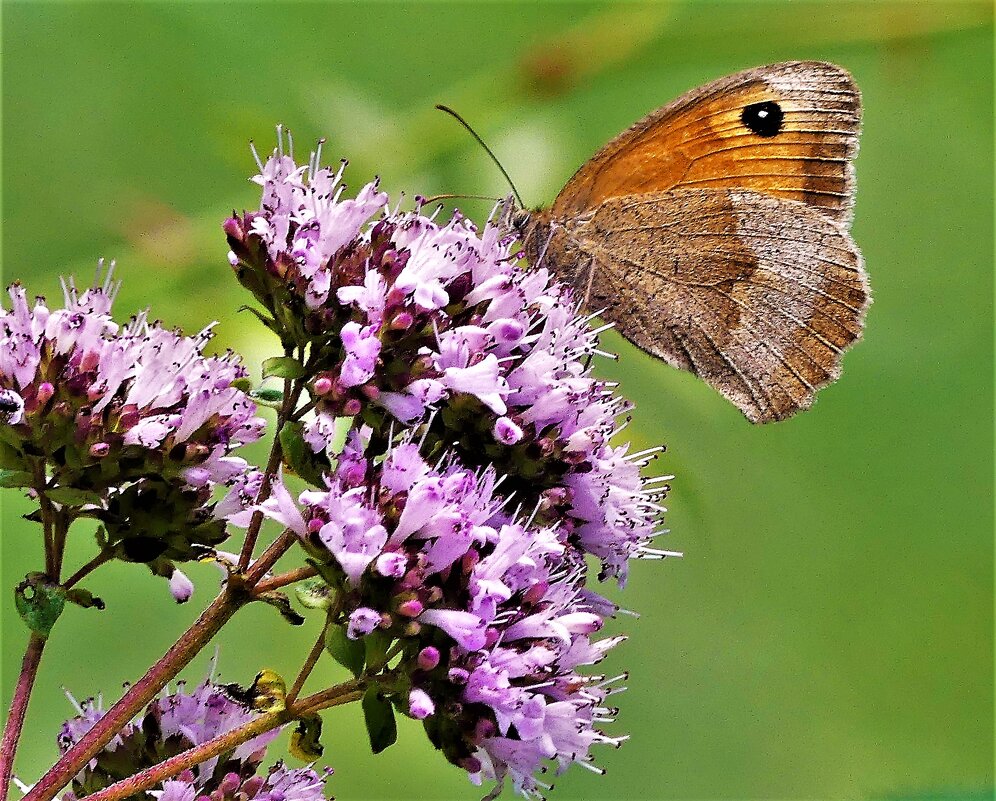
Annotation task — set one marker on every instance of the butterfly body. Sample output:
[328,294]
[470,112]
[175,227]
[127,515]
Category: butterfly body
[713,234]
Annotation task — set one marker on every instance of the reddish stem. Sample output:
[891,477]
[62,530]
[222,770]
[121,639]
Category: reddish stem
[141,693]
[290,577]
[150,777]
[18,708]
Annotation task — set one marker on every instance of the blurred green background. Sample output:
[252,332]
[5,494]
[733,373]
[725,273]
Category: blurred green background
[829,633]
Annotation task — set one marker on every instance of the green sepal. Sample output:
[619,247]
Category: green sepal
[39,602]
[282,604]
[379,717]
[71,496]
[314,594]
[84,598]
[15,478]
[305,740]
[283,367]
[302,460]
[348,653]
[244,384]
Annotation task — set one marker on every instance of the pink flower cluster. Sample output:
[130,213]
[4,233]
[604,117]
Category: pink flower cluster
[182,720]
[492,609]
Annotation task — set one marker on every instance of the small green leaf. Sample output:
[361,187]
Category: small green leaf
[333,575]
[242,383]
[376,643]
[274,398]
[84,598]
[269,322]
[283,367]
[269,692]
[10,457]
[305,740]
[281,603]
[348,653]
[15,478]
[379,716]
[71,496]
[302,460]
[314,594]
[39,602]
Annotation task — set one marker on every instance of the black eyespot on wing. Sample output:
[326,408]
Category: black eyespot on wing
[764,119]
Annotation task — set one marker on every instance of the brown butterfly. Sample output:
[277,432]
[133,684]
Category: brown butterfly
[714,234]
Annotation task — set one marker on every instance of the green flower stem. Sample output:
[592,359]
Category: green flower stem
[18,708]
[292,393]
[309,664]
[88,568]
[334,696]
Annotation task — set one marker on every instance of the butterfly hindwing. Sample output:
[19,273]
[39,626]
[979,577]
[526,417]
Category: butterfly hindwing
[757,295]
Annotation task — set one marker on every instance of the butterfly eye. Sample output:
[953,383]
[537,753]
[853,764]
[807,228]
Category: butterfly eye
[764,119]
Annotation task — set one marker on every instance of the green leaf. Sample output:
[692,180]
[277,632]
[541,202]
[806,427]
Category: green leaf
[379,716]
[84,598]
[314,594]
[274,398]
[283,367]
[71,496]
[348,653]
[333,575]
[305,740]
[302,460]
[10,457]
[269,322]
[15,478]
[282,604]
[39,602]
[376,643]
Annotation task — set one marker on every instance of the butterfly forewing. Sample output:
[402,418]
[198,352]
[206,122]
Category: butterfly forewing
[789,130]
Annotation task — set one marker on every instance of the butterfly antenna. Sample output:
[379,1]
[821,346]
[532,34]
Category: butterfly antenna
[428,200]
[487,149]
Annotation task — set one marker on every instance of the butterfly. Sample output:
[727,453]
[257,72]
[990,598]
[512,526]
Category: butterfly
[714,234]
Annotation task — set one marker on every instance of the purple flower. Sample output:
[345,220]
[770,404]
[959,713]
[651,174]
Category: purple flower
[135,416]
[420,705]
[497,611]
[427,316]
[361,622]
[176,722]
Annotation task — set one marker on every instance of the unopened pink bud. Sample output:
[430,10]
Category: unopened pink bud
[412,608]
[100,449]
[322,386]
[352,407]
[428,658]
[45,392]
